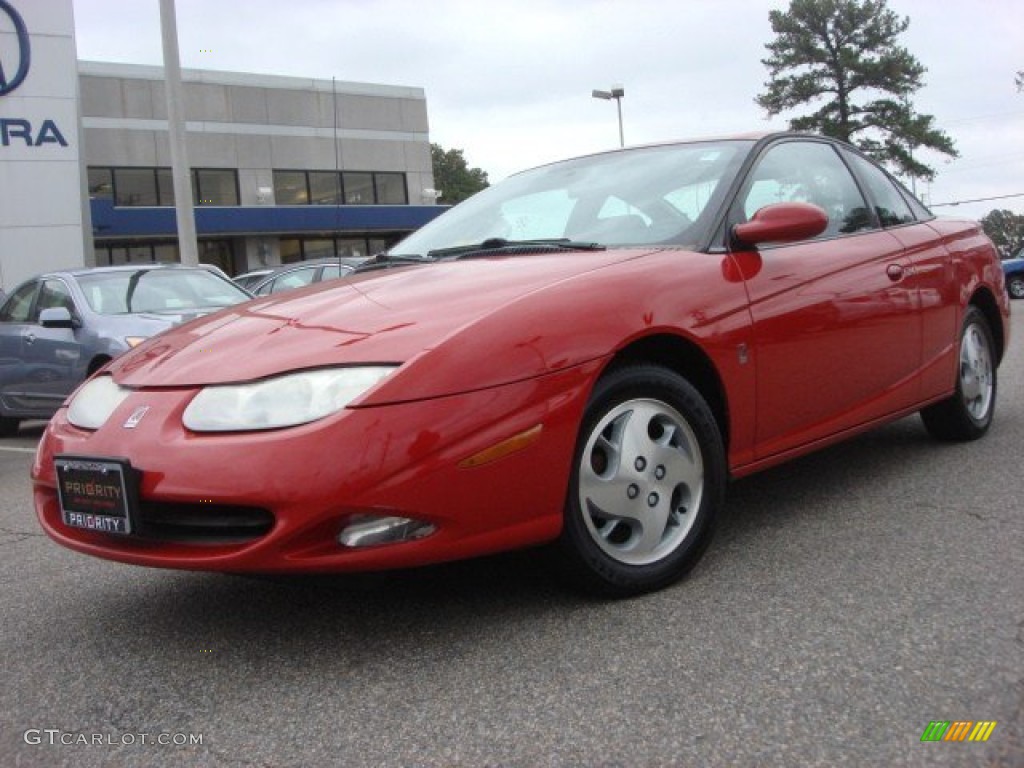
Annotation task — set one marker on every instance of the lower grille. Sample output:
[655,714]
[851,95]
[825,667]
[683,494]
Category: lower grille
[202,523]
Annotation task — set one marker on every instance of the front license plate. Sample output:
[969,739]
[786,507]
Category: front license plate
[96,494]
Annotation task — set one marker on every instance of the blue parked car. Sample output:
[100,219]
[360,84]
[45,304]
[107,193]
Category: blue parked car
[1014,270]
[61,327]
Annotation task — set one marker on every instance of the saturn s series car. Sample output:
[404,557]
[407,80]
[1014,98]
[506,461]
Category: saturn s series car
[582,356]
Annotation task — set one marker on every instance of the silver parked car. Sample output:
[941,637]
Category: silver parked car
[60,327]
[298,274]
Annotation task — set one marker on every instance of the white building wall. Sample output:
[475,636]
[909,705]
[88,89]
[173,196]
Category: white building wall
[44,218]
[256,123]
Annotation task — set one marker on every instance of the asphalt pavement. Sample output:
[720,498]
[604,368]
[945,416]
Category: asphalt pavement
[850,599]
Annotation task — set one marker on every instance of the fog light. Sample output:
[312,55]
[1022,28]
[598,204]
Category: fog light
[371,530]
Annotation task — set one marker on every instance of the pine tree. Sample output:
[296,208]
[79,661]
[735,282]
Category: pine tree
[843,56]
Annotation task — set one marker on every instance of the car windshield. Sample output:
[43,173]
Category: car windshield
[158,290]
[634,197]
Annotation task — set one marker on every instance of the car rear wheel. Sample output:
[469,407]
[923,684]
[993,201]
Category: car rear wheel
[648,479]
[1015,286]
[967,414]
[9,426]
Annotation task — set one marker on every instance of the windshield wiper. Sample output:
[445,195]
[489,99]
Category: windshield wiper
[133,283]
[494,246]
[388,260]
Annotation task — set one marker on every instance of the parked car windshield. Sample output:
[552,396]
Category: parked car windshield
[158,290]
[634,197]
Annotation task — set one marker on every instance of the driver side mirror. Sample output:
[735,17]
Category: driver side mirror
[781,223]
[57,317]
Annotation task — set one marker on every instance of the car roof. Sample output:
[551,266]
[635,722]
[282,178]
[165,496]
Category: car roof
[78,271]
[343,260]
[750,136]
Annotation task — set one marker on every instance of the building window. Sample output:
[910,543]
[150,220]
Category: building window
[358,188]
[219,252]
[346,188]
[215,186]
[290,188]
[135,186]
[165,186]
[155,186]
[315,248]
[166,252]
[295,249]
[390,188]
[101,183]
[291,250]
[352,247]
[324,188]
[135,253]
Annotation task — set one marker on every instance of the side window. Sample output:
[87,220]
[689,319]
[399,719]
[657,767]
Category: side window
[54,294]
[296,279]
[808,172]
[18,307]
[890,206]
[288,281]
[333,271]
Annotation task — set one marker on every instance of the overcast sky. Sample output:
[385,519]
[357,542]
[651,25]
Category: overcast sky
[509,81]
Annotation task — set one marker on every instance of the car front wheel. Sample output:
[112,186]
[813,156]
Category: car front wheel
[967,414]
[648,479]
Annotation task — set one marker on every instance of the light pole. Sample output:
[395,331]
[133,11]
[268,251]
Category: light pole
[181,176]
[617,92]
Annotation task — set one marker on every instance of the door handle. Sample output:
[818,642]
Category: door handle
[894,272]
[30,337]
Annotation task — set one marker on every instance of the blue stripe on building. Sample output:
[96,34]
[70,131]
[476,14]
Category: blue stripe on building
[110,221]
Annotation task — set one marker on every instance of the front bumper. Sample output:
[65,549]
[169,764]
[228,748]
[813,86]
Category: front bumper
[312,480]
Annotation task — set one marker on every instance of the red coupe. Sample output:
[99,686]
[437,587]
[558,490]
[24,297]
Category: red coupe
[582,355]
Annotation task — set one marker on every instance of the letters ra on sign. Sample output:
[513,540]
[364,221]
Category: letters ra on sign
[15,60]
[14,63]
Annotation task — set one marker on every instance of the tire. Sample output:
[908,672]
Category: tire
[647,482]
[967,414]
[9,426]
[1015,286]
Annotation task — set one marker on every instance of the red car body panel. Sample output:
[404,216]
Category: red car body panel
[807,343]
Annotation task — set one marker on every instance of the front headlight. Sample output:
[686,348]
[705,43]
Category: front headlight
[95,401]
[284,401]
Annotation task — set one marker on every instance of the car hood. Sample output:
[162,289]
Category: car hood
[176,317]
[117,328]
[377,317]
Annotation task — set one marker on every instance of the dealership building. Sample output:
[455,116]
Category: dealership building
[282,168]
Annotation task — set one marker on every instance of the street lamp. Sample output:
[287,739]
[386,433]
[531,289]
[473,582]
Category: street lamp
[617,92]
